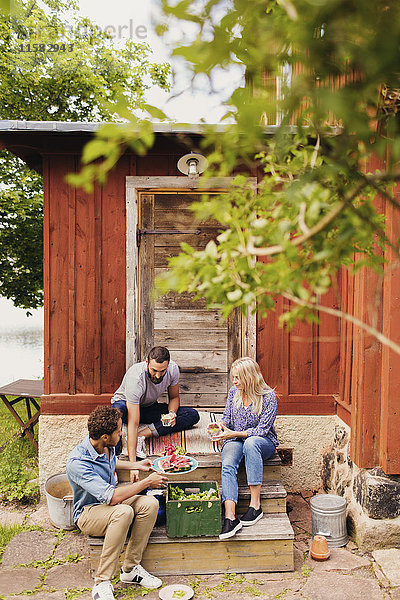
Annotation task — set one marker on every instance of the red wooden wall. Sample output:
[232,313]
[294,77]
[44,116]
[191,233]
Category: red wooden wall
[317,369]
[369,398]
[303,364]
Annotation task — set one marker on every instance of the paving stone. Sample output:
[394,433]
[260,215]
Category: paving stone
[301,513]
[70,575]
[389,562]
[73,543]
[264,578]
[307,494]
[302,545]
[29,546]
[298,559]
[275,588]
[341,560]
[43,595]
[395,594]
[351,545]
[336,586]
[381,577]
[15,581]
[41,517]
[11,517]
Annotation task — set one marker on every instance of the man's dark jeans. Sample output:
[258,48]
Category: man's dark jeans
[185,418]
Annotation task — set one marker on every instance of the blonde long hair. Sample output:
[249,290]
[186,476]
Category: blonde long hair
[253,382]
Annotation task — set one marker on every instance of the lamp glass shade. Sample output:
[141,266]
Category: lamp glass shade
[192,164]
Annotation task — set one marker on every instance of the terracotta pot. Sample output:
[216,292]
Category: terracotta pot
[319,548]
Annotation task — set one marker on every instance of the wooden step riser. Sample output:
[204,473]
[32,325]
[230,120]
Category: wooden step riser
[270,506]
[208,557]
[265,546]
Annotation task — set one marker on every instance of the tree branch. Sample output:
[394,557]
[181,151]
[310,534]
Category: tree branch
[367,180]
[271,250]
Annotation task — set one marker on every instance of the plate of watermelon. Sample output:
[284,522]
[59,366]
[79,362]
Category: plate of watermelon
[173,464]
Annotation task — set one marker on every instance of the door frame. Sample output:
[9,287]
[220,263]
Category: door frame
[149,184]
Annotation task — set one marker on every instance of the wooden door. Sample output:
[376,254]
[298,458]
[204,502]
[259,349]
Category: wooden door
[199,341]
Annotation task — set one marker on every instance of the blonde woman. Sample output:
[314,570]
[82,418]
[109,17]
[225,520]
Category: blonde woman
[247,430]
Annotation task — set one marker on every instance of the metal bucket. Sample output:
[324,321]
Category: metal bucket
[60,501]
[328,517]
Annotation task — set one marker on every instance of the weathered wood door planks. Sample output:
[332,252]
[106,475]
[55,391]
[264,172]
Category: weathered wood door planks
[203,345]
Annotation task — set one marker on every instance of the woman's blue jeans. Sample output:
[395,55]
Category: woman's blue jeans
[255,450]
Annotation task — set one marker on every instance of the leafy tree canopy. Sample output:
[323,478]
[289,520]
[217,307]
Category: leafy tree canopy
[78,82]
[325,75]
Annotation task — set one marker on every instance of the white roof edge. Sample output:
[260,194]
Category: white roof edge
[80,127]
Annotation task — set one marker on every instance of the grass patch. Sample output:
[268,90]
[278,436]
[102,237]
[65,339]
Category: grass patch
[74,593]
[231,582]
[52,561]
[18,460]
[6,535]
[7,532]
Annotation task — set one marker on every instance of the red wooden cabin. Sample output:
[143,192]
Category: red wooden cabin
[100,258]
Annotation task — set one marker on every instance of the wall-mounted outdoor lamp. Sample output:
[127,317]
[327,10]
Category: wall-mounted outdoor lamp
[192,164]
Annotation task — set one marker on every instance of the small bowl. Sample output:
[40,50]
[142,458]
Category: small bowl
[319,548]
[213,432]
[166,420]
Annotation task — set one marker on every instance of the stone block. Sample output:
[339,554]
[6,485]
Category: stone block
[73,543]
[11,518]
[29,546]
[62,576]
[389,562]
[337,586]
[372,534]
[15,581]
[341,560]
[378,495]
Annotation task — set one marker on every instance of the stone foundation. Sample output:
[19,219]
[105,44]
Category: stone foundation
[373,509]
[306,435]
[58,435]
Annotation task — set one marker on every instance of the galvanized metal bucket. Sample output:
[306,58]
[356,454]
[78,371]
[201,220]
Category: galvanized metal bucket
[59,501]
[328,517]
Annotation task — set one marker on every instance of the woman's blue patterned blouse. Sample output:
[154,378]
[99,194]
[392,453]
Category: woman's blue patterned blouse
[240,418]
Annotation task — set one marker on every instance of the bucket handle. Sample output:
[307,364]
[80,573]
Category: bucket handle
[324,534]
[67,498]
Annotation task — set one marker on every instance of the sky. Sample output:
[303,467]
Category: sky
[135,18]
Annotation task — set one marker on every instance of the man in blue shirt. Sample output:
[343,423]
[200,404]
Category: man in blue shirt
[102,509]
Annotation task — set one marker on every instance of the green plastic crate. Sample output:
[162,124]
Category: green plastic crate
[193,518]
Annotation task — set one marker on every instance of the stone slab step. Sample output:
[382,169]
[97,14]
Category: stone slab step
[266,546]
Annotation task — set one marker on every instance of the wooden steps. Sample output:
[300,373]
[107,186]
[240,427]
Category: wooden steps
[264,547]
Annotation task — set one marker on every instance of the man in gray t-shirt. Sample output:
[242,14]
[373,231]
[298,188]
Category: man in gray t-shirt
[137,397]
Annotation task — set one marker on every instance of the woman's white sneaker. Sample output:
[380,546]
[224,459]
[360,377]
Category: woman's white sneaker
[140,576]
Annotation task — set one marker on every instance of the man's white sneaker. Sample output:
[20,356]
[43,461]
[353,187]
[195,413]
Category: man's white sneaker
[103,591]
[140,576]
[141,447]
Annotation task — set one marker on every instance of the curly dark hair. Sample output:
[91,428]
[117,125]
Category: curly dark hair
[104,419]
[159,354]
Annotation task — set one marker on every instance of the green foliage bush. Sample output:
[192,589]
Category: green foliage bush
[18,463]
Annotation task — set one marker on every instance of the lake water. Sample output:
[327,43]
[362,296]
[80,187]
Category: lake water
[21,343]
